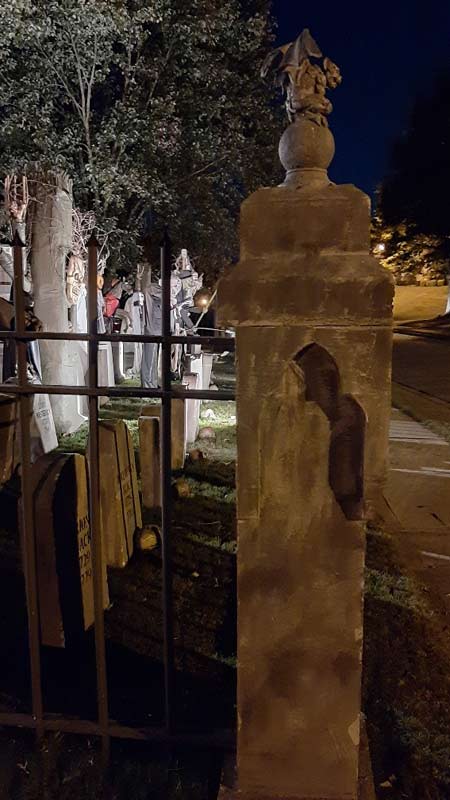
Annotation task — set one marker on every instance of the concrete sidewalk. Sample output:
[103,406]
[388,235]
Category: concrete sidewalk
[416,503]
[423,365]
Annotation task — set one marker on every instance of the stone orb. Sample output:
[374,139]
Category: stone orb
[306,145]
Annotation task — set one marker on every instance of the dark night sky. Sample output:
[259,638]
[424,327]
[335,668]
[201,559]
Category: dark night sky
[388,52]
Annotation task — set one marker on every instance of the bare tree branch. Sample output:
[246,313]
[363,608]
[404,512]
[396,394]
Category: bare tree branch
[160,73]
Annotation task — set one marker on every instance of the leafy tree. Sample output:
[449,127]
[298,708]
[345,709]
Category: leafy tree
[154,107]
[413,222]
[413,258]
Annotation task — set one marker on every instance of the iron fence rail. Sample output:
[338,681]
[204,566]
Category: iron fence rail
[104,727]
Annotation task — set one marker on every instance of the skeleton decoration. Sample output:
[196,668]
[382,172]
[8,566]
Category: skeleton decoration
[16,197]
[302,81]
[16,202]
[82,227]
[185,283]
[75,274]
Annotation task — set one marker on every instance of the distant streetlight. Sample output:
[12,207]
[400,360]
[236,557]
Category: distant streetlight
[379,248]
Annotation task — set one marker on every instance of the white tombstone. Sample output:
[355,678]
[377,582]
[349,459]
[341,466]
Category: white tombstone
[134,308]
[192,407]
[105,368]
[206,370]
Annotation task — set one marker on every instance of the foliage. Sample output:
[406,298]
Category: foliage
[155,108]
[412,257]
[416,188]
[413,196]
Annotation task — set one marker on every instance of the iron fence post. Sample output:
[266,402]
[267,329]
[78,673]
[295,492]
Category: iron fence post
[166,486]
[94,504]
[28,534]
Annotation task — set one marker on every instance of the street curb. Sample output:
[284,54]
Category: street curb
[423,406]
[422,333]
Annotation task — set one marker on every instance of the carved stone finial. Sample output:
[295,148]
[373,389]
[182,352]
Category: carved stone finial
[307,146]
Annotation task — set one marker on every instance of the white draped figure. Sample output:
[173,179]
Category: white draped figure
[76,295]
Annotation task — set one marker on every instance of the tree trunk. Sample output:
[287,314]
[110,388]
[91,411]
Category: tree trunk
[50,244]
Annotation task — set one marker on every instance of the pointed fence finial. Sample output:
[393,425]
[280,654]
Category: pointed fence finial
[165,240]
[92,241]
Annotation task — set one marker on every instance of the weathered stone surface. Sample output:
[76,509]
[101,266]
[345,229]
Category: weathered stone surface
[178,429]
[301,223]
[305,275]
[63,548]
[301,568]
[150,460]
[313,312]
[119,495]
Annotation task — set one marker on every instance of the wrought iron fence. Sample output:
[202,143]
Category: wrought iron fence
[103,727]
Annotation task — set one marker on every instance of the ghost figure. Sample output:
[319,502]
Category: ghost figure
[76,297]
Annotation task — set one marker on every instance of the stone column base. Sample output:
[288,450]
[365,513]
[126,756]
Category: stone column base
[366,788]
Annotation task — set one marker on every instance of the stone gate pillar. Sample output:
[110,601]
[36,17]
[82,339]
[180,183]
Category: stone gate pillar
[312,311]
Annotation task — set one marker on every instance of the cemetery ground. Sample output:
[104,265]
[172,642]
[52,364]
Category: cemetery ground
[406,685]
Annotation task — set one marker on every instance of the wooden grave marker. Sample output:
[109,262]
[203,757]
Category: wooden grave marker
[178,428]
[63,548]
[8,436]
[150,459]
[120,506]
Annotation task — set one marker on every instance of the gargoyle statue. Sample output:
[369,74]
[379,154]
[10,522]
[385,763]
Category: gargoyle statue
[304,82]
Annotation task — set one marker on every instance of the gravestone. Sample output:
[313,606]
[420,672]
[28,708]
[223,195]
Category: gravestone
[63,548]
[150,459]
[206,370]
[9,425]
[119,496]
[43,438]
[192,381]
[105,368]
[43,432]
[178,429]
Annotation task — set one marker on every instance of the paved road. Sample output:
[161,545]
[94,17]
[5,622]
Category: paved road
[418,488]
[417,495]
[422,364]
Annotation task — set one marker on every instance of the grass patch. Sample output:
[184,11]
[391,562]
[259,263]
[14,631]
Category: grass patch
[406,680]
[77,442]
[222,494]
